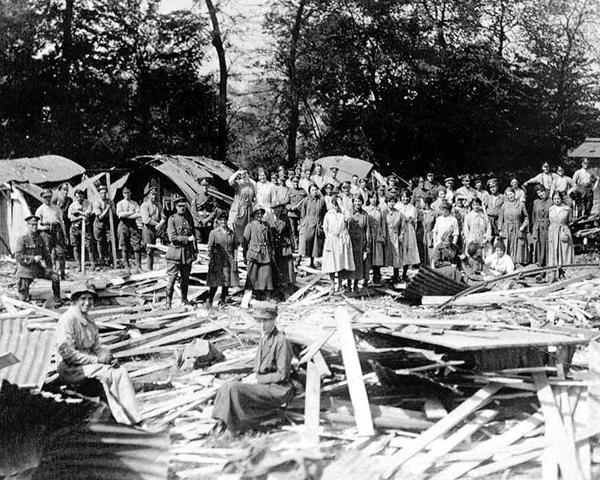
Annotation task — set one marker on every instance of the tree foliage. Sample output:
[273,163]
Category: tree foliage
[102,80]
[453,84]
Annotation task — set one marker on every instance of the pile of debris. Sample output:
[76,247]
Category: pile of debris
[493,382]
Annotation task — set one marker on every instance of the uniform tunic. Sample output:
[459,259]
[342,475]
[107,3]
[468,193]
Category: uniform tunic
[76,211]
[393,244]
[240,213]
[281,231]
[63,204]
[360,237]
[181,253]
[52,229]
[102,226]
[297,196]
[151,214]
[312,212]
[560,241]
[203,210]
[222,268]
[377,236]
[78,347]
[337,252]
[240,404]
[425,235]
[492,207]
[258,249]
[28,246]
[410,247]
[539,231]
[513,217]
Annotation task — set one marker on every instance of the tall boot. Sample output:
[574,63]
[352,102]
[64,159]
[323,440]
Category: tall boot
[184,292]
[138,262]
[170,288]
[126,260]
[77,257]
[56,289]
[92,255]
[150,262]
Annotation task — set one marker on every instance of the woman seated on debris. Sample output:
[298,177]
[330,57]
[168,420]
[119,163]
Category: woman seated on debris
[499,262]
[222,267]
[446,258]
[473,265]
[243,404]
[81,356]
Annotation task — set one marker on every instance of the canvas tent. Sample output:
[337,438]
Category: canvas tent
[21,182]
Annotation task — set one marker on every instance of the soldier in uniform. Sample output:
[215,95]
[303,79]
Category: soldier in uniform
[52,230]
[204,212]
[153,220]
[33,261]
[103,208]
[128,212]
[182,251]
[79,210]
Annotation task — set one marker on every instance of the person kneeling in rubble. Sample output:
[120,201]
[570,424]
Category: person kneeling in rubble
[81,356]
[447,258]
[243,404]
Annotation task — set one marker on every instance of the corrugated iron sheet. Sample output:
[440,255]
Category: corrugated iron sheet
[105,451]
[590,148]
[348,166]
[429,282]
[47,168]
[33,348]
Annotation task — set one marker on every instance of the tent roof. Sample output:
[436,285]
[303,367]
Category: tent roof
[44,169]
[590,149]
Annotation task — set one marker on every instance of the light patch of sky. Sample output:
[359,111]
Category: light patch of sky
[167,6]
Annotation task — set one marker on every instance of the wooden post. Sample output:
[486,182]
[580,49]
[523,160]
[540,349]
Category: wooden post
[83,244]
[312,403]
[358,392]
[111,221]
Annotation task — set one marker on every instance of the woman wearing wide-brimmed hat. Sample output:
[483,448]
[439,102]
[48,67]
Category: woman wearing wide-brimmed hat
[81,355]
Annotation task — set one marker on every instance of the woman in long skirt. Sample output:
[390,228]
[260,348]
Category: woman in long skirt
[425,230]
[258,250]
[512,225]
[240,213]
[222,267]
[312,212]
[360,236]
[393,244]
[560,241]
[337,251]
[283,248]
[541,220]
[377,235]
[410,248]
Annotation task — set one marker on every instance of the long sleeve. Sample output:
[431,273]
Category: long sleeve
[172,231]
[20,254]
[66,342]
[525,216]
[283,360]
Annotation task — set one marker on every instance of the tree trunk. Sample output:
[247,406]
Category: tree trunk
[217,42]
[67,40]
[294,118]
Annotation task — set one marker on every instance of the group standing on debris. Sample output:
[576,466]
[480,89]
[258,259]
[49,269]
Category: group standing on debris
[355,227]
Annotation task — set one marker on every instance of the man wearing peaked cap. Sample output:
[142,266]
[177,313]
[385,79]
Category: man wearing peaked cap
[34,261]
[239,405]
[80,212]
[52,230]
[182,250]
[468,192]
[153,222]
[449,183]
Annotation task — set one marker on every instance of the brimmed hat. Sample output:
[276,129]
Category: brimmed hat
[492,181]
[47,193]
[177,199]
[150,190]
[32,217]
[84,286]
[264,311]
[258,208]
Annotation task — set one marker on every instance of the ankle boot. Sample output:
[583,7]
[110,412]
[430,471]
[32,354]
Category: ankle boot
[150,262]
[138,261]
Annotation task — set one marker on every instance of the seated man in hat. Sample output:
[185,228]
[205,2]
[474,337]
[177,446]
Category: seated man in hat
[81,356]
[52,230]
[181,252]
[244,404]
[34,261]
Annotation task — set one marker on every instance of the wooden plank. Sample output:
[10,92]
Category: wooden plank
[134,342]
[31,306]
[488,448]
[479,399]
[246,299]
[434,410]
[561,285]
[422,463]
[8,360]
[174,338]
[356,386]
[304,289]
[111,223]
[566,454]
[504,465]
[580,420]
[312,404]
[83,227]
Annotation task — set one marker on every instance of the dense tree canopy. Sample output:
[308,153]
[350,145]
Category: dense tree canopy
[102,80]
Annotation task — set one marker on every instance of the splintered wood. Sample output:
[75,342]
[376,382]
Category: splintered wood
[500,383]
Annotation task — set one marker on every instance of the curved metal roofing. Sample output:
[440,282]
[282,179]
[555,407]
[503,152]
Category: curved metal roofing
[44,169]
